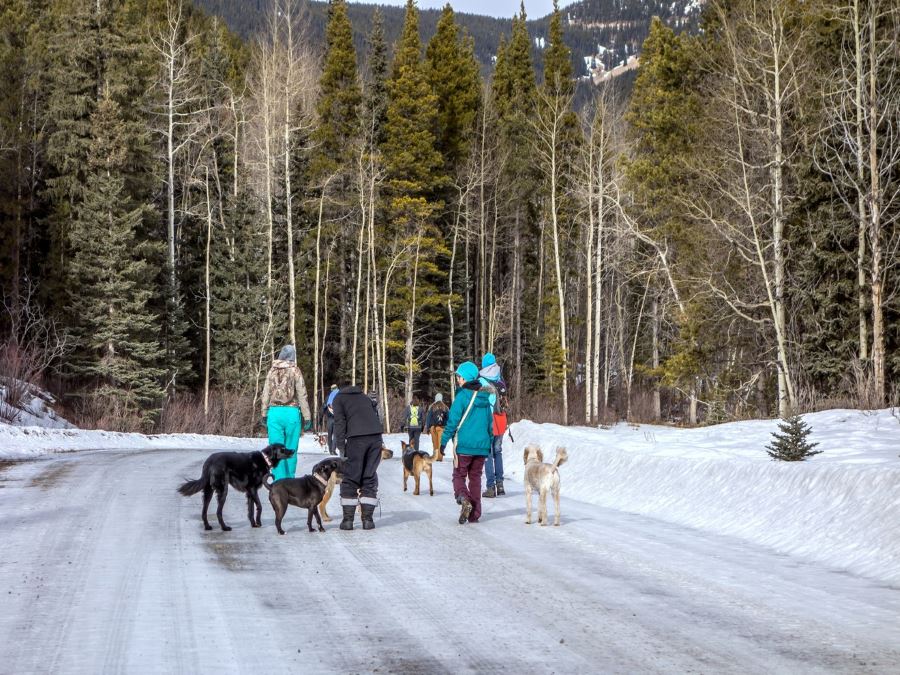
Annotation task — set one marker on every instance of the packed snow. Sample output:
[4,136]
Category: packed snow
[840,508]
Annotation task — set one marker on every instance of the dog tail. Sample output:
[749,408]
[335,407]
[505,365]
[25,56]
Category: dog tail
[561,456]
[191,487]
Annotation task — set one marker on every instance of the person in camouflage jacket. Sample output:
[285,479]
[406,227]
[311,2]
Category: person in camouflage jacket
[285,410]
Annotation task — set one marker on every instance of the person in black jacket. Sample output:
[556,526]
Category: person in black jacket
[357,436]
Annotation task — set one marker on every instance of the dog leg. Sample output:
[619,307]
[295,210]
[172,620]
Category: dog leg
[207,498]
[542,506]
[309,517]
[250,508]
[527,503]
[417,477]
[220,496]
[258,508]
[556,502]
[279,511]
[318,520]
[405,478]
[430,483]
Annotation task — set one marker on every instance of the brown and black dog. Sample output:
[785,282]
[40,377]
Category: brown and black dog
[414,463]
[306,492]
[333,480]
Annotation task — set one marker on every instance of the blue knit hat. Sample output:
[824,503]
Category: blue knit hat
[287,353]
[467,371]
[488,360]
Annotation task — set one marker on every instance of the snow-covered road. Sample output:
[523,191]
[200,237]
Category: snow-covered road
[105,569]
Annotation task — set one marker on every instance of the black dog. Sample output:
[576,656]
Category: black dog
[305,492]
[243,471]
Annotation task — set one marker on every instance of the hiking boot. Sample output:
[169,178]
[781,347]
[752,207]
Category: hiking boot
[490,493]
[349,514]
[368,511]
[464,511]
[500,490]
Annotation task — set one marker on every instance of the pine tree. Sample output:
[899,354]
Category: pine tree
[412,158]
[791,445]
[376,101]
[339,95]
[453,73]
[117,335]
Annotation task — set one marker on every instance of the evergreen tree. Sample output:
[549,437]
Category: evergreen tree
[558,59]
[412,158]
[339,94]
[453,73]
[116,333]
[791,445]
[376,102]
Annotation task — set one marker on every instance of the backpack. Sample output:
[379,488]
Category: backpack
[439,417]
[282,386]
[501,408]
[413,415]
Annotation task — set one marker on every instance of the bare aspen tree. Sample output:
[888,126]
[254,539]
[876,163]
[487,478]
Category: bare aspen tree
[862,124]
[549,127]
[745,193]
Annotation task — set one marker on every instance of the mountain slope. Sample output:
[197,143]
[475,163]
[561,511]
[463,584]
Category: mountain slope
[606,31]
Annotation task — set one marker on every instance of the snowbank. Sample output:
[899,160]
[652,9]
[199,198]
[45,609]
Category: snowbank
[36,409]
[33,442]
[841,508]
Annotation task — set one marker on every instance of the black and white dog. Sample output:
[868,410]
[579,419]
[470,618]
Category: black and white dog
[244,471]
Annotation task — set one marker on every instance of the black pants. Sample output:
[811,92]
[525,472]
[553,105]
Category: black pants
[360,477]
[414,433]
[329,426]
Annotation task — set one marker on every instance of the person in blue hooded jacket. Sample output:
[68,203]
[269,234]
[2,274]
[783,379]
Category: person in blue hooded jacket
[470,427]
[489,375]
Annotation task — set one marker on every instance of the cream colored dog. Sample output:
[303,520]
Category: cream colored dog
[542,477]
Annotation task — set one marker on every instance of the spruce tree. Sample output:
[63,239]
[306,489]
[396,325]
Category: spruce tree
[453,73]
[117,336]
[339,94]
[376,100]
[791,445]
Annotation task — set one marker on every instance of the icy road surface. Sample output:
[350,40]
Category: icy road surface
[105,569]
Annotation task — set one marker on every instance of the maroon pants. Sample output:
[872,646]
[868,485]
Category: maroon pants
[467,481]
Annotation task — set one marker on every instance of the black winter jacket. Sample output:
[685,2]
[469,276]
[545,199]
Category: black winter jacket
[354,415]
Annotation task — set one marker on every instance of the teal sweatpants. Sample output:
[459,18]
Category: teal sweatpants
[284,424]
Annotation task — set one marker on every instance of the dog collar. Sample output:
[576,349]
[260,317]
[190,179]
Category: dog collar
[266,458]
[320,479]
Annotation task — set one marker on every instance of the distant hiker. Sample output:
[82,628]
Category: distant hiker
[435,421]
[470,427]
[285,411]
[327,417]
[357,435]
[412,421]
[493,466]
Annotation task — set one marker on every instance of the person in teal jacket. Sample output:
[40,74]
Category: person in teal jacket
[470,427]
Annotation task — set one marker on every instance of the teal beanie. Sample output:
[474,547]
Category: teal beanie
[467,371]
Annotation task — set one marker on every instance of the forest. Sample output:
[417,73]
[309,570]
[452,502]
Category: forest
[177,202]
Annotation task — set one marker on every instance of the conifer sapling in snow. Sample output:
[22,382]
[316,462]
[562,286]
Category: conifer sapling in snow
[791,445]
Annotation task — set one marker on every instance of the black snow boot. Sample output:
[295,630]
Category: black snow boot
[349,514]
[490,492]
[368,511]
[500,490]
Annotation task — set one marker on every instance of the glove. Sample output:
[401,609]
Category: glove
[307,425]
[263,421]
